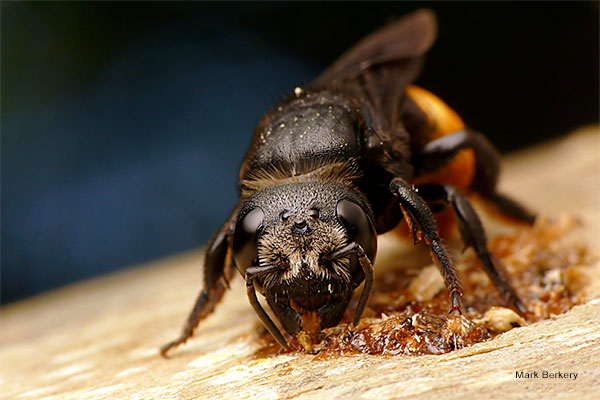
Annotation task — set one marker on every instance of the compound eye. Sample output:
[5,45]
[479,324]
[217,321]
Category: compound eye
[245,238]
[359,226]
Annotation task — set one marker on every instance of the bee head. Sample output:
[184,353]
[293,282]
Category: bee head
[285,243]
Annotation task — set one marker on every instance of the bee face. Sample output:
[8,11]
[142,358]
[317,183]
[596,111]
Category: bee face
[290,232]
[299,244]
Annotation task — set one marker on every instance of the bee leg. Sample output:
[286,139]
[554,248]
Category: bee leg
[473,235]
[511,208]
[218,266]
[422,223]
[439,152]
[365,263]
[251,274]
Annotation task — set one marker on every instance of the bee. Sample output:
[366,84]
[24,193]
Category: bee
[338,162]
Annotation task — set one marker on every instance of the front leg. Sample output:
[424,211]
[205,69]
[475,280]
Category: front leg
[422,223]
[218,268]
[367,267]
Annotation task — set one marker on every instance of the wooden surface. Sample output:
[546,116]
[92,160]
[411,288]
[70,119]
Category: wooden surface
[99,339]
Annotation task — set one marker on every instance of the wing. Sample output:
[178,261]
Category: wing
[407,39]
[375,73]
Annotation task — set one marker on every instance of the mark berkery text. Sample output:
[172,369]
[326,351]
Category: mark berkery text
[545,375]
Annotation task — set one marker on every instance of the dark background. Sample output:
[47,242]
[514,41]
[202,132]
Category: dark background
[123,124]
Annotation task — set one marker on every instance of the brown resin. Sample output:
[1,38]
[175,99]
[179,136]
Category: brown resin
[544,269]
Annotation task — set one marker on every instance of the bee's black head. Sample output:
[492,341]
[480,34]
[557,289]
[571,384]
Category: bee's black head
[284,241]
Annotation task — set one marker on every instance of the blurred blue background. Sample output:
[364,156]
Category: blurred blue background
[124,124]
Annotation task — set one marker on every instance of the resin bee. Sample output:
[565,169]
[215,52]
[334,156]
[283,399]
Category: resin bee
[339,162]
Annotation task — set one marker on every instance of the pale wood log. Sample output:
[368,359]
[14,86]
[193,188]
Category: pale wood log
[99,339]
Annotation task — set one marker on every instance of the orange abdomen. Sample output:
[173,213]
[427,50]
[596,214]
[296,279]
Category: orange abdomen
[459,172]
[442,120]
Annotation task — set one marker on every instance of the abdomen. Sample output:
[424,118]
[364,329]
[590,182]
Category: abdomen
[441,120]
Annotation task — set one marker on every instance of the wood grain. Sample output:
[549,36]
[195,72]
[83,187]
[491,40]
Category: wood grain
[99,339]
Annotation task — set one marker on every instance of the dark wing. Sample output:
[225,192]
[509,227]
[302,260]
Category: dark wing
[374,74]
[407,39]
